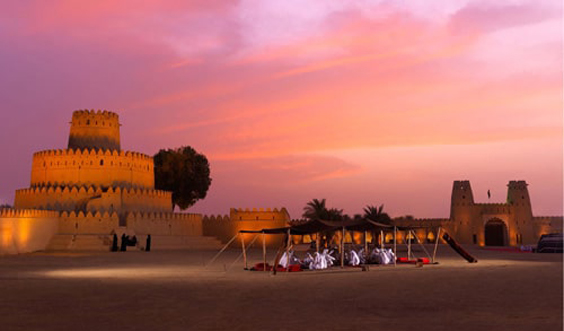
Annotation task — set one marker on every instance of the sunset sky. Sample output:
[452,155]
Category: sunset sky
[360,102]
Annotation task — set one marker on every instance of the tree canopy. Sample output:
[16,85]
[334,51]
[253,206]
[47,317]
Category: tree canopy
[376,214]
[183,171]
[316,209]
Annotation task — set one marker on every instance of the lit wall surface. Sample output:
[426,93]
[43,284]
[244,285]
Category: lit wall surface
[25,231]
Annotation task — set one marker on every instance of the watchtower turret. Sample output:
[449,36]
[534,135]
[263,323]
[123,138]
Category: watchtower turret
[461,197]
[94,130]
[518,196]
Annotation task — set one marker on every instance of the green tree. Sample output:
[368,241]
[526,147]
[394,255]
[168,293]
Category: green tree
[183,171]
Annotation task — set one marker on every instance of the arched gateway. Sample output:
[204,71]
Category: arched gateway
[495,233]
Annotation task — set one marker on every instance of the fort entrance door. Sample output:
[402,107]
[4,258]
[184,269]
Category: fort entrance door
[495,233]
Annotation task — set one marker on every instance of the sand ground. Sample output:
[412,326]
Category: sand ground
[172,291]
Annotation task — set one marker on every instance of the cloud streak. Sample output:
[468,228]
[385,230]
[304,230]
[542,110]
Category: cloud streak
[268,89]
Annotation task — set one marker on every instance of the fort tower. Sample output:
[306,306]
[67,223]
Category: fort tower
[94,130]
[93,174]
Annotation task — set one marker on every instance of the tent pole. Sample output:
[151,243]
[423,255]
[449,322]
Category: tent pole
[288,250]
[343,248]
[395,246]
[409,245]
[244,250]
[436,245]
[382,239]
[422,246]
[264,252]
[366,246]
[317,242]
[221,251]
[240,255]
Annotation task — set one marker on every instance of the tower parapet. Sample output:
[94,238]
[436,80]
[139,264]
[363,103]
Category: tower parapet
[92,129]
[518,194]
[461,197]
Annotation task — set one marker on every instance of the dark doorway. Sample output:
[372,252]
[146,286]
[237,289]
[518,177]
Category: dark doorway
[495,232]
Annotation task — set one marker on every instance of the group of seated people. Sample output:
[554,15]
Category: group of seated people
[330,257]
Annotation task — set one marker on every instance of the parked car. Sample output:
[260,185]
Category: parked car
[550,243]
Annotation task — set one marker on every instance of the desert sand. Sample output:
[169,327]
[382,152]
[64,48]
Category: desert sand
[171,290]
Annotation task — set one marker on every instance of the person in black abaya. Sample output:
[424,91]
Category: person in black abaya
[123,246]
[114,243]
[148,245]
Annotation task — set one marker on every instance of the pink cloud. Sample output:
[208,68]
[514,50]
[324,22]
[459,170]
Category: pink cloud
[263,88]
[486,18]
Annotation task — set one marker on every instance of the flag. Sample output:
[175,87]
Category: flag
[489,194]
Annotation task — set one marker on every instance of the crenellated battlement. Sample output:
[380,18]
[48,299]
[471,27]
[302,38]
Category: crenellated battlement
[216,218]
[130,215]
[431,220]
[494,208]
[89,214]
[549,218]
[68,167]
[93,198]
[84,189]
[102,113]
[260,210]
[27,213]
[91,152]
[162,216]
[259,214]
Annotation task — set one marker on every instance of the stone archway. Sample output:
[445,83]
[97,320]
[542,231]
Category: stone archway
[495,232]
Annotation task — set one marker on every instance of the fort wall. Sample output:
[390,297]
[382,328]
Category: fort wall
[547,225]
[24,231]
[165,224]
[140,223]
[225,227]
[83,198]
[92,168]
[88,223]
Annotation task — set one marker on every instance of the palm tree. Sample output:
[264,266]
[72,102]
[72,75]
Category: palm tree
[315,209]
[376,214]
[335,214]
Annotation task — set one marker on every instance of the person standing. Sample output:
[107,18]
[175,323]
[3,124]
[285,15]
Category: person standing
[114,243]
[123,246]
[148,244]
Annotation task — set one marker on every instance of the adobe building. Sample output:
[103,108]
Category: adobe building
[489,224]
[225,227]
[80,196]
[498,224]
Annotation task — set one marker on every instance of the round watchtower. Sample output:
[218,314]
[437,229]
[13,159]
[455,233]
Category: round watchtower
[92,129]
